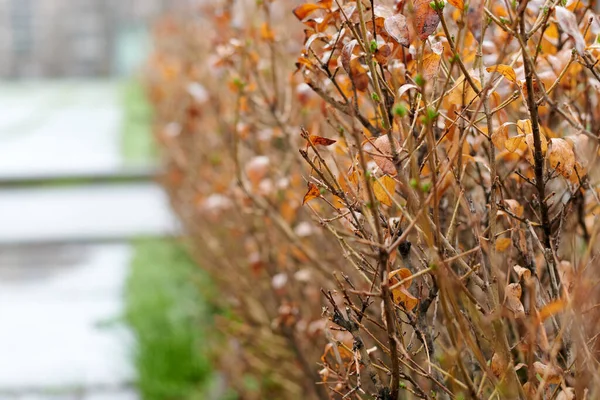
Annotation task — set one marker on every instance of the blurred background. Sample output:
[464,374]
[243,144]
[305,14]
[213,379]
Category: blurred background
[97,300]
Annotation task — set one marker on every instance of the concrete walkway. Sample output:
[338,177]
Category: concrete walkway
[59,128]
[83,213]
[64,251]
[59,332]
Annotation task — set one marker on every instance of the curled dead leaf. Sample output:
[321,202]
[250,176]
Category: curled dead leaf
[512,301]
[397,28]
[400,294]
[505,70]
[561,157]
[313,193]
[382,154]
[321,141]
[522,273]
[549,373]
[515,207]
[498,365]
[304,10]
[500,136]
[552,308]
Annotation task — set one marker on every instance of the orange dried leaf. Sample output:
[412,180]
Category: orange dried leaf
[524,126]
[397,28]
[383,188]
[266,32]
[502,244]
[304,10]
[431,63]
[458,4]
[318,140]
[313,193]
[505,70]
[513,143]
[551,309]
[498,365]
[500,136]
[426,17]
[515,207]
[400,294]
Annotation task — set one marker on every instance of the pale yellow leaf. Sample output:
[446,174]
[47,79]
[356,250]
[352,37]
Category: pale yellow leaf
[513,143]
[384,188]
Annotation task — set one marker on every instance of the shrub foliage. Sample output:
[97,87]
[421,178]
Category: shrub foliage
[397,199]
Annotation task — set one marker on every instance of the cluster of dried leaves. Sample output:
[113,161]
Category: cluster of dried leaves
[399,201]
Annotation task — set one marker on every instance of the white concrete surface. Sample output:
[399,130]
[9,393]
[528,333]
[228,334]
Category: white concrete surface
[84,212]
[59,127]
[56,329]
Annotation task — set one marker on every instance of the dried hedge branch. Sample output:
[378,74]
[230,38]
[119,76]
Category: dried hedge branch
[399,201]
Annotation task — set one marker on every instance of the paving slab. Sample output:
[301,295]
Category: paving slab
[61,331]
[84,213]
[60,127]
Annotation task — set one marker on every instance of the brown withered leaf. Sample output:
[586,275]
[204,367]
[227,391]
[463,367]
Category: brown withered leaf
[431,64]
[426,18]
[266,32]
[561,157]
[304,10]
[381,187]
[505,70]
[551,309]
[397,28]
[313,193]
[382,154]
[502,244]
[550,373]
[321,141]
[522,273]
[515,207]
[383,53]
[513,293]
[498,365]
[400,294]
[500,136]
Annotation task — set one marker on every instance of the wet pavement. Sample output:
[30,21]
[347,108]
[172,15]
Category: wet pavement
[64,250]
